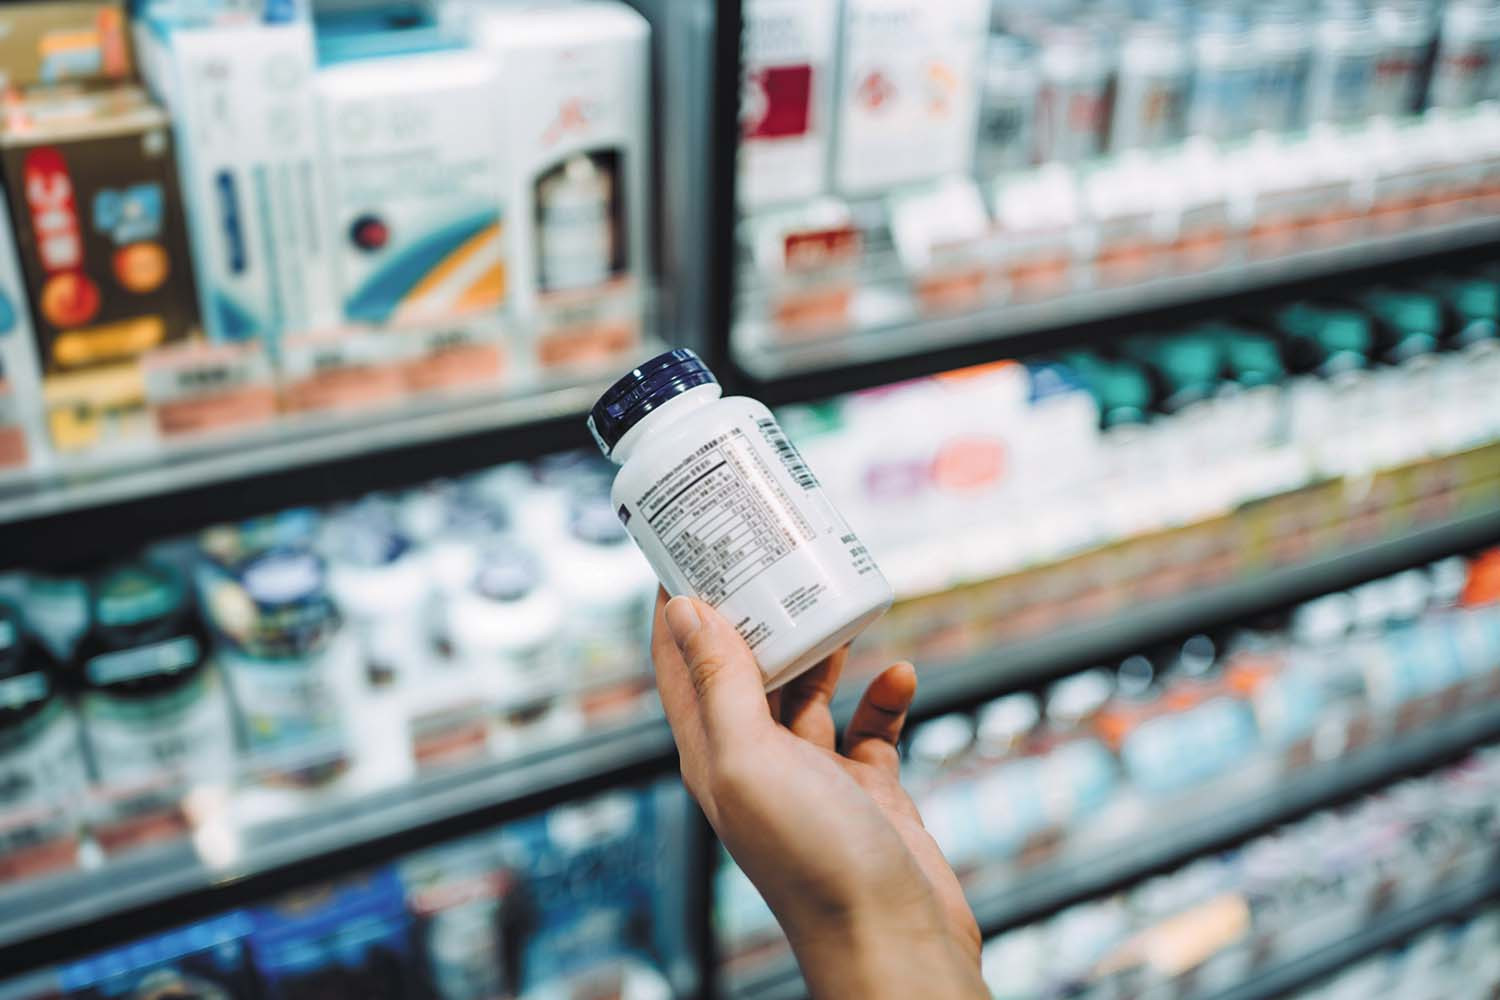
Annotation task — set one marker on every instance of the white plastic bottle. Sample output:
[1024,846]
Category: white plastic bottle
[726,510]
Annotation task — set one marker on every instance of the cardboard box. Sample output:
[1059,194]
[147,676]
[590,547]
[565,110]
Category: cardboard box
[63,41]
[574,100]
[786,101]
[243,110]
[92,190]
[415,165]
[908,91]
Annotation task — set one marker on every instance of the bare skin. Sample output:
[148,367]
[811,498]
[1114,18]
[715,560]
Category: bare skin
[829,837]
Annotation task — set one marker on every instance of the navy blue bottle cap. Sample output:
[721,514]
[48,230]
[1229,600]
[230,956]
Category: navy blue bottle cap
[651,386]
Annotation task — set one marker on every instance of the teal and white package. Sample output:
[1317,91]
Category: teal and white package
[414,158]
[22,441]
[240,96]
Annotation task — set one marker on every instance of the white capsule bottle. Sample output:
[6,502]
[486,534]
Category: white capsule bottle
[726,511]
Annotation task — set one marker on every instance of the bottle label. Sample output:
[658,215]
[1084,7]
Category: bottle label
[47,767]
[288,706]
[743,513]
[185,733]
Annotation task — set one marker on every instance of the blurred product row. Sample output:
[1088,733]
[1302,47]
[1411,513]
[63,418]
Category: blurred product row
[237,678]
[1004,500]
[1224,919]
[866,95]
[571,903]
[223,213]
[1126,754]
[893,167]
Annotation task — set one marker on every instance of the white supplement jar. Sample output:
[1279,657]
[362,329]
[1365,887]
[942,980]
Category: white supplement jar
[725,510]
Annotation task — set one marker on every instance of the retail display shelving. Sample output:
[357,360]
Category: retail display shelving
[1383,931]
[1236,809]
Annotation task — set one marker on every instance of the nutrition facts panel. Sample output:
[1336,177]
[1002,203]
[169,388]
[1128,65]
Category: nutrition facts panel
[719,517]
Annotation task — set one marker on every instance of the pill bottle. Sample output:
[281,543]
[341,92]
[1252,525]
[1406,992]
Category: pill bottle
[725,510]
[151,700]
[41,758]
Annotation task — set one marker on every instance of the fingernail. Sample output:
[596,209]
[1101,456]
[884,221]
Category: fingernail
[682,619]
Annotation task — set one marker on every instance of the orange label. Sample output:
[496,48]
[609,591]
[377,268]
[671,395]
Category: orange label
[111,342]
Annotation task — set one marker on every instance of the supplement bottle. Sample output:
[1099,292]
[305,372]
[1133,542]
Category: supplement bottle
[41,758]
[726,510]
[278,639]
[151,700]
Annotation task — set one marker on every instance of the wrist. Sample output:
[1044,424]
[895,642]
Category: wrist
[890,950]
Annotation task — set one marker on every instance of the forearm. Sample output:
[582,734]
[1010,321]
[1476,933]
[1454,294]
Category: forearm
[879,960]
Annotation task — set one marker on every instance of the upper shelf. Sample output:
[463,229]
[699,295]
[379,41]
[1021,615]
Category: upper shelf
[1003,329]
[58,516]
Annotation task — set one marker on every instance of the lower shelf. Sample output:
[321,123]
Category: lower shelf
[1206,822]
[1381,933]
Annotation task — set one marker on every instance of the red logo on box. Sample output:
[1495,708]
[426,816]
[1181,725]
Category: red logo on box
[778,104]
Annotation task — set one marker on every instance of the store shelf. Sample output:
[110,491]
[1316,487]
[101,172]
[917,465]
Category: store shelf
[51,918]
[954,685]
[1211,819]
[82,512]
[1381,933]
[1203,823]
[926,344]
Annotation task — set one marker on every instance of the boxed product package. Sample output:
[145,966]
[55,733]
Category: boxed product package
[241,101]
[348,939]
[410,137]
[206,959]
[588,888]
[908,91]
[63,41]
[574,97]
[786,100]
[21,444]
[93,193]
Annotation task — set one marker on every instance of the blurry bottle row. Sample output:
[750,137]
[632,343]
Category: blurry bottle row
[1004,500]
[895,164]
[570,904]
[1187,729]
[247,213]
[260,669]
[1454,959]
[1223,919]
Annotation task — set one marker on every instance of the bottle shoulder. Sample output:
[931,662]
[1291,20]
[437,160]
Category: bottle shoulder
[670,443]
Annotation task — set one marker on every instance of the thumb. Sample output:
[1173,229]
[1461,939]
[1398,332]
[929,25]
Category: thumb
[726,680]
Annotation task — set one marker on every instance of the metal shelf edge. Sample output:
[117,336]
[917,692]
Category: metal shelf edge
[68,914]
[1383,932]
[766,364]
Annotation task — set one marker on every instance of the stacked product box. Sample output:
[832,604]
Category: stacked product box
[575,110]
[100,231]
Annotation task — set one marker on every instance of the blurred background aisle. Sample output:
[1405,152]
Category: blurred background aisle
[1153,348]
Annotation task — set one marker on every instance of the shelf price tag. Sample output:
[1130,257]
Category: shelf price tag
[198,387]
[14,453]
[588,328]
[457,354]
[36,840]
[809,260]
[943,238]
[1038,215]
[127,817]
[343,369]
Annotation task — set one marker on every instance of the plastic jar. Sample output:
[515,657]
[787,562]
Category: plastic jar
[151,700]
[725,510]
[278,633]
[41,758]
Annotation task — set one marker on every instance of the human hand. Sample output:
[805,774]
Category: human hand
[830,839]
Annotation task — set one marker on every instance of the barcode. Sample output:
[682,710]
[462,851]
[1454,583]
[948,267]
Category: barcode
[790,457]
